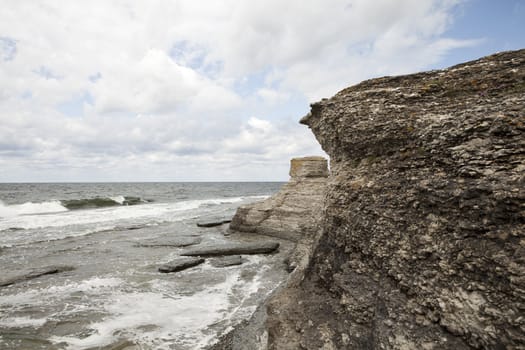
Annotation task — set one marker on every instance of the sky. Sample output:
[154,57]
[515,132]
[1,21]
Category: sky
[102,91]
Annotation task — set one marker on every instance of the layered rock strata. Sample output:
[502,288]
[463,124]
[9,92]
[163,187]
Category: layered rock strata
[423,230]
[294,211]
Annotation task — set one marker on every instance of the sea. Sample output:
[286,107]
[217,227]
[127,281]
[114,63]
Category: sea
[110,239]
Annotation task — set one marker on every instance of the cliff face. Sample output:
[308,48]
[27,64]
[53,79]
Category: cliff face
[423,238]
[294,211]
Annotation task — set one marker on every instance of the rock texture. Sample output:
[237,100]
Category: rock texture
[293,212]
[423,238]
[213,222]
[180,264]
[177,242]
[234,248]
[226,261]
[34,273]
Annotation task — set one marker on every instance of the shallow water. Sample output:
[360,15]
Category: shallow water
[114,297]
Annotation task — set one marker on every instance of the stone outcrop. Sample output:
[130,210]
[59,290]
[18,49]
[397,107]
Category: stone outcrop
[180,264]
[423,229]
[294,211]
[176,242]
[34,273]
[234,248]
[226,261]
[213,222]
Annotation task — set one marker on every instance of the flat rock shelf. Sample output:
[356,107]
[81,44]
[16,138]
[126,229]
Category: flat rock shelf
[233,249]
[180,264]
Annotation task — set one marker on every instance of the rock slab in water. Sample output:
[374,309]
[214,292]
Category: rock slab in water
[35,273]
[233,249]
[230,260]
[213,222]
[423,237]
[180,264]
[173,242]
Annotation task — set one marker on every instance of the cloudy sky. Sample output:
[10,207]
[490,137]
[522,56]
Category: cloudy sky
[207,90]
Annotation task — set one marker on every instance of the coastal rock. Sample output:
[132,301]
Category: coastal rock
[34,273]
[422,243]
[225,261]
[178,242]
[233,249]
[180,264]
[212,222]
[294,211]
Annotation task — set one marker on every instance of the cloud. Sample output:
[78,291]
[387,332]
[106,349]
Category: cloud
[197,90]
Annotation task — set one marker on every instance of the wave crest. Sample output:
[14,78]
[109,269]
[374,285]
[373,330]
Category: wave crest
[101,202]
[55,206]
[31,208]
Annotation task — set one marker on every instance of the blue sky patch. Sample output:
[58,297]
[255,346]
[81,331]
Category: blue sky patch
[95,77]
[26,95]
[7,49]
[74,107]
[47,73]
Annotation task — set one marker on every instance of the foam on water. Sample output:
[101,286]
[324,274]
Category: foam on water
[8,211]
[158,317]
[158,320]
[119,199]
[22,322]
[63,217]
[75,223]
[44,296]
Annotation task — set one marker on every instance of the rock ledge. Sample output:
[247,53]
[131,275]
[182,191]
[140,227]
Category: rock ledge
[293,212]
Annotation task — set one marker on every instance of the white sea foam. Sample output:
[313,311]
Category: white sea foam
[22,322]
[119,199]
[159,320]
[59,216]
[45,296]
[8,211]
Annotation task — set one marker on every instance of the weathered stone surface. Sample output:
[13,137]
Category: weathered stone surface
[233,249]
[308,167]
[225,261]
[213,222]
[173,242]
[180,264]
[34,273]
[423,238]
[294,211]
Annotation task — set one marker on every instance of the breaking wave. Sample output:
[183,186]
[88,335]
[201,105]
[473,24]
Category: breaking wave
[56,206]
[31,208]
[101,202]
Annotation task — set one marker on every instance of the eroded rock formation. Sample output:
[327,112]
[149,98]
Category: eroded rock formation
[294,211]
[423,232]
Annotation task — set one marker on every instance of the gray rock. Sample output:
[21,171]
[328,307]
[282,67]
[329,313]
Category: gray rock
[172,242]
[422,243]
[212,222]
[34,273]
[226,261]
[180,264]
[233,249]
[293,213]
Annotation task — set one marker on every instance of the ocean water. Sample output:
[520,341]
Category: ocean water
[113,237]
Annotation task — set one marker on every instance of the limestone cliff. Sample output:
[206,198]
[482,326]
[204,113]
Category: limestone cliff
[293,212]
[423,238]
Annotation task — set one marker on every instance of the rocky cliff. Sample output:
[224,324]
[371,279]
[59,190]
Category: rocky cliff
[423,238]
[294,211]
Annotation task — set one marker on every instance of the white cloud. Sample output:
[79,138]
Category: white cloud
[156,84]
[190,89]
